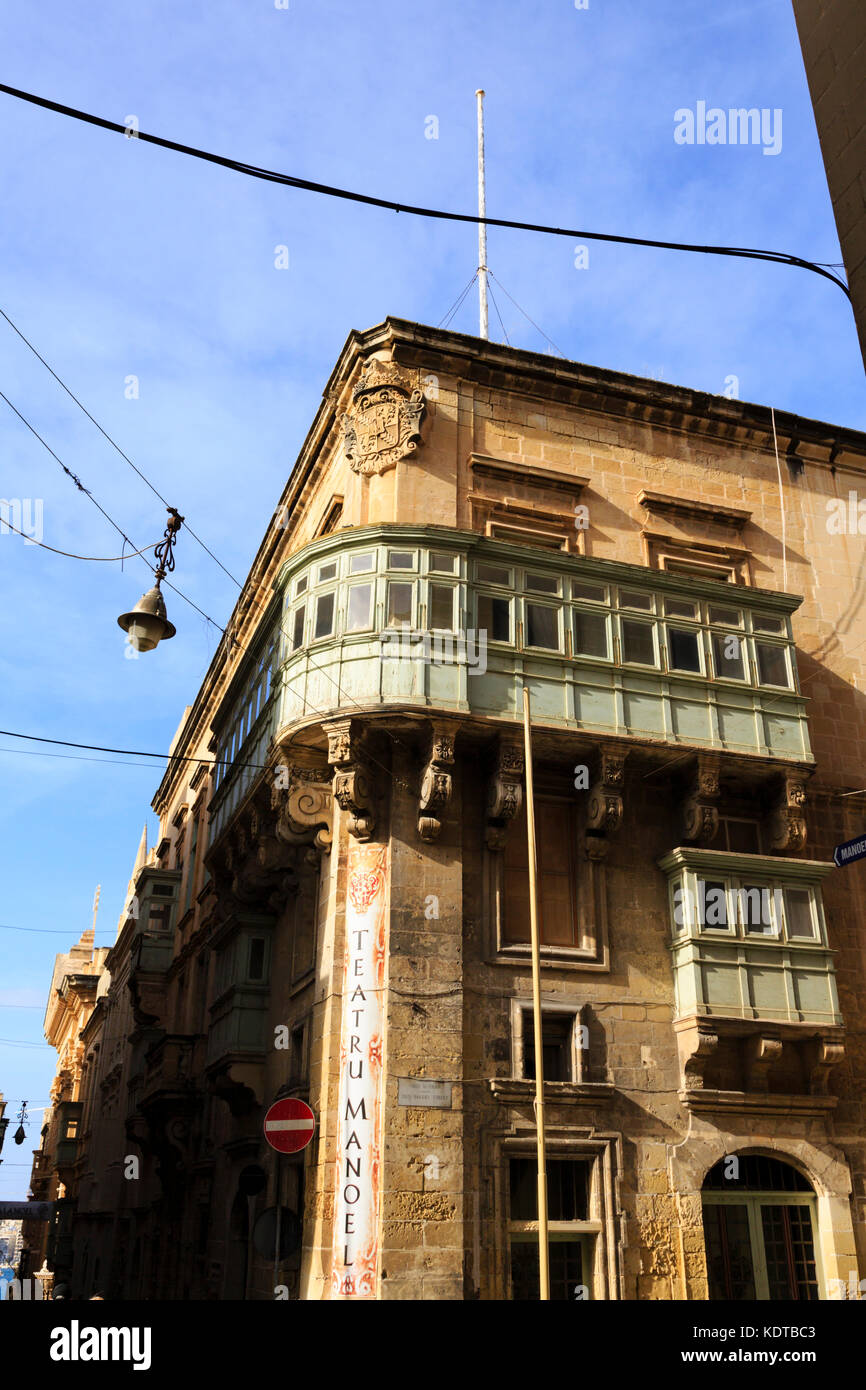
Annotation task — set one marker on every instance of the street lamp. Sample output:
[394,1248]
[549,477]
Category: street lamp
[147,624]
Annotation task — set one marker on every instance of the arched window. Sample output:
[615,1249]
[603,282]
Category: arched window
[760,1230]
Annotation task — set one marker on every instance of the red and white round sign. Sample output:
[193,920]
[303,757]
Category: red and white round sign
[289,1126]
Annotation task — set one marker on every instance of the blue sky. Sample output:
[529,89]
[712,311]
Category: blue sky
[120,259]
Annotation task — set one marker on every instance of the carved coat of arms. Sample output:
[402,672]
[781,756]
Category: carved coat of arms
[384,423]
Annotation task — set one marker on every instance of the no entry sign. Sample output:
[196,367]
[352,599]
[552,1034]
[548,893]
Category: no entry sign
[289,1126]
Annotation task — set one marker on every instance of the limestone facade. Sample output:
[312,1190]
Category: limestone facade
[337,906]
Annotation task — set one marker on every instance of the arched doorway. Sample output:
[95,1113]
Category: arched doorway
[760,1230]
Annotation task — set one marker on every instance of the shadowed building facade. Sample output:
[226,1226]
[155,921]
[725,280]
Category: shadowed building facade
[338,908]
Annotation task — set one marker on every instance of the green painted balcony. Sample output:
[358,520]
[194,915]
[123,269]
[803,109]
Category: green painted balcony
[434,618]
[749,938]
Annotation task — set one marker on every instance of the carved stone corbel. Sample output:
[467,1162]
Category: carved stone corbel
[302,799]
[700,815]
[823,1055]
[787,822]
[436,783]
[705,1045]
[353,781]
[504,791]
[759,1054]
[604,808]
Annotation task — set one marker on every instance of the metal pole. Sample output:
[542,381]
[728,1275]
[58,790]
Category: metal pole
[543,1249]
[482,212]
[279,1220]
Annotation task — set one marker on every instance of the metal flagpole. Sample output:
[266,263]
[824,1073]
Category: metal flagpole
[543,1249]
[482,212]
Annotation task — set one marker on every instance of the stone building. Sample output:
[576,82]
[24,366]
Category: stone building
[74,984]
[337,908]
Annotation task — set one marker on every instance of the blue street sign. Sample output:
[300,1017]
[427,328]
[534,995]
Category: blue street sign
[851,850]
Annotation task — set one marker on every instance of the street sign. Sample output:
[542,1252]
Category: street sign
[851,850]
[26,1211]
[289,1126]
[431,1095]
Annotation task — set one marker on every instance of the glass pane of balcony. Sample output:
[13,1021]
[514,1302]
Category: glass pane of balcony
[324,615]
[683,650]
[494,617]
[360,606]
[441,616]
[542,626]
[772,664]
[590,634]
[638,644]
[399,603]
[728,656]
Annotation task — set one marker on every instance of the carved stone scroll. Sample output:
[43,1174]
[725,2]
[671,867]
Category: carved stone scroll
[787,822]
[700,813]
[436,783]
[353,781]
[604,809]
[504,792]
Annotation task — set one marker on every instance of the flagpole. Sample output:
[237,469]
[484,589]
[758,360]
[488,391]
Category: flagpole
[543,1246]
[482,226]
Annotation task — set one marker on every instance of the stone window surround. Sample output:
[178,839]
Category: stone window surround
[521,1028]
[605,1223]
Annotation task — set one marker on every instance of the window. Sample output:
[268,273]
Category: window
[556,1046]
[772,664]
[324,615]
[494,617]
[728,656]
[441,615]
[542,626]
[754,902]
[713,904]
[542,583]
[399,603]
[683,650]
[590,633]
[571,1243]
[361,564]
[301,585]
[725,617]
[767,622]
[401,559]
[298,627]
[493,574]
[740,836]
[360,607]
[327,572]
[638,642]
[759,1229]
[442,563]
[590,593]
[630,598]
[798,913]
[556,838]
[679,608]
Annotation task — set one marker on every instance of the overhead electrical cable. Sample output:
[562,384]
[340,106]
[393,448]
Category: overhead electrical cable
[329,190]
[111,441]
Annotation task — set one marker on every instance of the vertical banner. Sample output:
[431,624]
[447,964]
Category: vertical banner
[359,1138]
